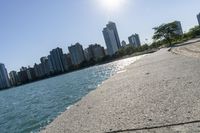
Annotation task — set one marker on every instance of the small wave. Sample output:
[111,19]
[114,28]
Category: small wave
[122,71]
[69,107]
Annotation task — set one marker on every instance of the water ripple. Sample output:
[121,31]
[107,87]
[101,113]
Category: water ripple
[30,107]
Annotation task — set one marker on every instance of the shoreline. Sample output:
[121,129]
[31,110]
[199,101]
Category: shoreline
[157,90]
[146,53]
[106,62]
[140,55]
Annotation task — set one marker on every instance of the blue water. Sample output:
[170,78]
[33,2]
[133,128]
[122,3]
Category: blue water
[31,107]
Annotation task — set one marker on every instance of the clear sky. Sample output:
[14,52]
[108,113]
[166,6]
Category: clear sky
[29,29]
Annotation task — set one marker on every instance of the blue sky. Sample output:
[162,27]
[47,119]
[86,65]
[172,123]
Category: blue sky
[29,29]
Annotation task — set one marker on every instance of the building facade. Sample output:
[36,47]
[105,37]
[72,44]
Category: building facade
[56,60]
[66,62]
[88,54]
[45,65]
[111,38]
[23,76]
[38,71]
[77,54]
[31,74]
[69,60]
[14,78]
[198,18]
[179,30]
[50,64]
[96,51]
[123,43]
[134,40]
[4,80]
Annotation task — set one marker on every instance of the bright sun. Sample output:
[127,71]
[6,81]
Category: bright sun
[111,5]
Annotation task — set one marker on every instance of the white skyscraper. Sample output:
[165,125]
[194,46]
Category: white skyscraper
[4,80]
[111,38]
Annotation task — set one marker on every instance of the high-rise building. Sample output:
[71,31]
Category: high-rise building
[77,54]
[123,43]
[95,51]
[50,64]
[45,66]
[56,60]
[111,38]
[88,54]
[198,18]
[106,52]
[4,80]
[134,40]
[69,60]
[23,68]
[38,70]
[23,76]
[179,30]
[66,62]
[31,74]
[14,78]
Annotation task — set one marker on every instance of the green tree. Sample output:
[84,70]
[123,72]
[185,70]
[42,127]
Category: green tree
[166,32]
[193,32]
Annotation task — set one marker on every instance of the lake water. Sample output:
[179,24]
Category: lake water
[31,107]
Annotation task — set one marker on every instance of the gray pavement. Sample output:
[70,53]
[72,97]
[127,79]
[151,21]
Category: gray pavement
[192,50]
[159,93]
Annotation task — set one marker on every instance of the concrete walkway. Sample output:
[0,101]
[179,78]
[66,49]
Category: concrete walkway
[190,48]
[158,94]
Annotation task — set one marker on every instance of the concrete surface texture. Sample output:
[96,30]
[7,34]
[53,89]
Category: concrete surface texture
[190,48]
[158,94]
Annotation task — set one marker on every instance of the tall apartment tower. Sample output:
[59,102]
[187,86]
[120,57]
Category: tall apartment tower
[4,80]
[198,18]
[56,60]
[45,65]
[77,54]
[111,38]
[134,40]
[14,78]
[66,62]
[94,51]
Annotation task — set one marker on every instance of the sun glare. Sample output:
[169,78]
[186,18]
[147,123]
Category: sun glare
[111,5]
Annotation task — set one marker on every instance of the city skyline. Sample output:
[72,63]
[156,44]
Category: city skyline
[29,30]
[53,64]
[56,62]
